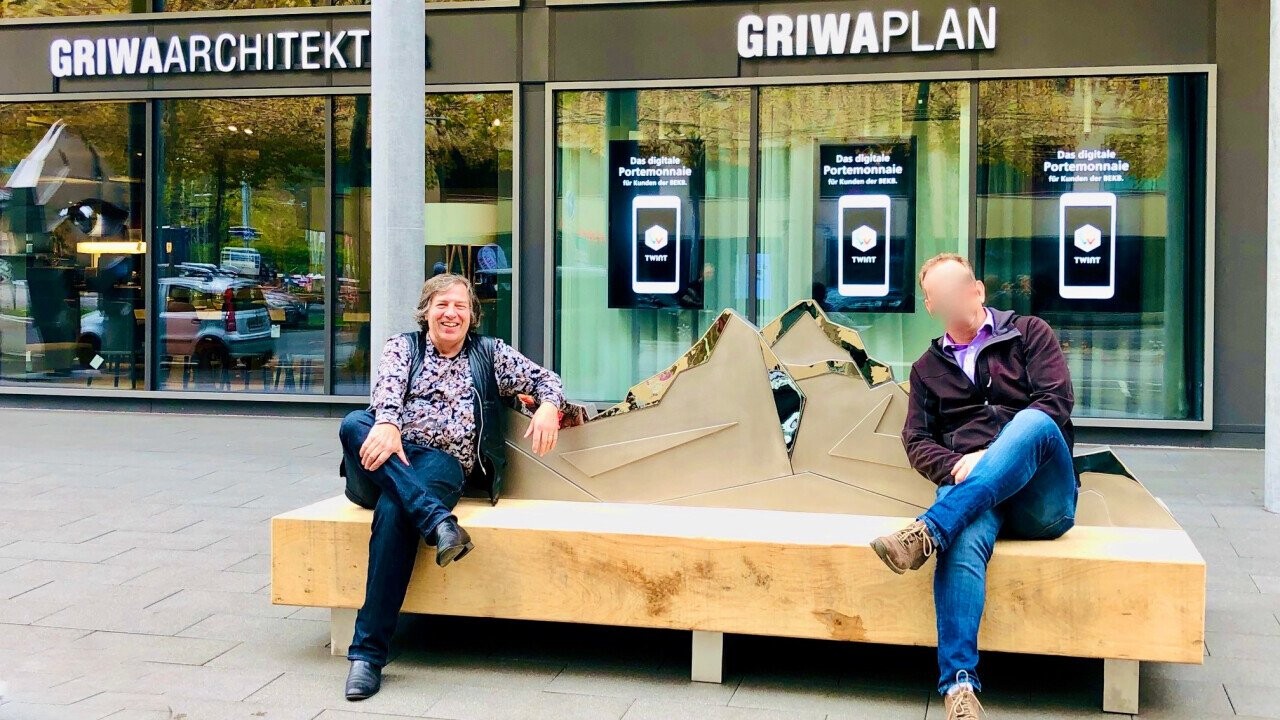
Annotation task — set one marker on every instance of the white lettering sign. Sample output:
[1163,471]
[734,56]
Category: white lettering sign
[197,53]
[865,33]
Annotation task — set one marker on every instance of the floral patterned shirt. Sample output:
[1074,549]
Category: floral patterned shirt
[439,412]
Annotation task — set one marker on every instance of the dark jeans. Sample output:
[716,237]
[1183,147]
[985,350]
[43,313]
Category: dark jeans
[1023,487]
[415,498]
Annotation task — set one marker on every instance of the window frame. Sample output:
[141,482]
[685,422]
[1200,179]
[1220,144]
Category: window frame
[1209,70]
[159,16]
[148,390]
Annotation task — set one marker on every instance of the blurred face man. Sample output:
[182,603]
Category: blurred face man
[989,422]
[954,296]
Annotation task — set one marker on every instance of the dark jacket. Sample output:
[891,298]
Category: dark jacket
[1021,366]
[491,451]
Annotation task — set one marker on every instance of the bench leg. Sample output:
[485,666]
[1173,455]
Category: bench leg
[708,656]
[342,625]
[1120,686]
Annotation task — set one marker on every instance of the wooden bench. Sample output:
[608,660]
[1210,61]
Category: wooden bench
[737,491]
[1121,594]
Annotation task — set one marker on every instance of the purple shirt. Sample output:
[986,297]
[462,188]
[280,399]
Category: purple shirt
[966,356]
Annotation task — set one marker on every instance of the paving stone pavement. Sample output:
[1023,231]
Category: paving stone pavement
[134,584]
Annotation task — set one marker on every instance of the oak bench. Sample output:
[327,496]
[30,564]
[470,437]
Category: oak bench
[1124,595]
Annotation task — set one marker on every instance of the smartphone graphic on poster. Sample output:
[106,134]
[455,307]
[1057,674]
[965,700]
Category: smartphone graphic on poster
[864,231]
[1087,246]
[655,259]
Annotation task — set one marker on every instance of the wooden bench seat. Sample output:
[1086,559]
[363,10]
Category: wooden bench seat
[1122,594]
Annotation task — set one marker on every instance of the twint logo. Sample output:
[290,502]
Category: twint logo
[1088,238]
[864,238]
[656,237]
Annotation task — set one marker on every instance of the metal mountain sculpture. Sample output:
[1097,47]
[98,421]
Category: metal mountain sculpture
[795,416]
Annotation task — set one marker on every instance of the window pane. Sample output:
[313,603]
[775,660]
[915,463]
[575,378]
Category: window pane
[469,200]
[65,8]
[352,230]
[240,217]
[71,244]
[469,215]
[192,5]
[794,121]
[366,2]
[602,351]
[1090,215]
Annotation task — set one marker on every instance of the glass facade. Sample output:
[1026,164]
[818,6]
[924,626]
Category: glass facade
[601,351]
[796,120]
[1129,151]
[72,8]
[72,269]
[240,244]
[353,234]
[207,5]
[1080,200]
[65,8]
[244,195]
[470,211]
[366,2]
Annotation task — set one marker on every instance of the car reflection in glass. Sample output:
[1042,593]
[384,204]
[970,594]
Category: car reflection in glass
[288,309]
[216,320]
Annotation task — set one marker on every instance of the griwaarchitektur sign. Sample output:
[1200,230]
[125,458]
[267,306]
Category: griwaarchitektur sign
[220,53]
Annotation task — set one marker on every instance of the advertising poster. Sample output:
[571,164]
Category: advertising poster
[655,241]
[864,226]
[1083,263]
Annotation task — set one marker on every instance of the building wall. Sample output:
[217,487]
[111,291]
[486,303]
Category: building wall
[534,44]
[1240,50]
[1232,35]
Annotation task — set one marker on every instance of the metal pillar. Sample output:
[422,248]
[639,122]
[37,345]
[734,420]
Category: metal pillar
[1271,462]
[398,114]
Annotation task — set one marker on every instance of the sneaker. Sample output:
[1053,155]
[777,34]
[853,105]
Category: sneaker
[907,549]
[962,703]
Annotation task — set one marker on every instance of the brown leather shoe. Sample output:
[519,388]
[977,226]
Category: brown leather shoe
[962,704]
[907,549]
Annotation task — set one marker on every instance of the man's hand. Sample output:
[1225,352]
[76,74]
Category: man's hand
[544,428]
[382,443]
[965,464]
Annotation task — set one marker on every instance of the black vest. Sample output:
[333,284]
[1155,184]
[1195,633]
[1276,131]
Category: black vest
[491,453]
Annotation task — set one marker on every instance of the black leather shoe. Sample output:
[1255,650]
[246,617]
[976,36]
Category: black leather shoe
[452,542]
[363,680]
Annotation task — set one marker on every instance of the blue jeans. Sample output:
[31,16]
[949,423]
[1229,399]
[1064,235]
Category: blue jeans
[1024,487]
[414,499]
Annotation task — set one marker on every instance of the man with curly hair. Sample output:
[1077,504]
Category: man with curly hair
[433,429]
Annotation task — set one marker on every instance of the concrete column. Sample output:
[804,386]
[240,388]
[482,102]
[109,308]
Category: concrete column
[397,114]
[1271,463]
